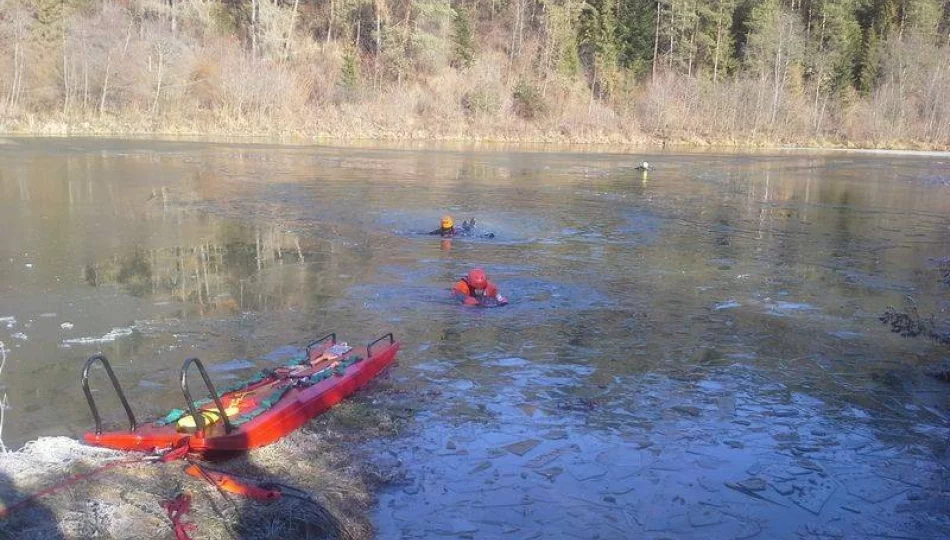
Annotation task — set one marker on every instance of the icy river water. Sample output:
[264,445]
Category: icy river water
[689,353]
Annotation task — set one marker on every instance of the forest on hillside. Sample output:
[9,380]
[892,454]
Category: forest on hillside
[872,73]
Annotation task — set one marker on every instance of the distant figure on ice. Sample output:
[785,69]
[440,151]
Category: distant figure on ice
[447,229]
[475,290]
[644,166]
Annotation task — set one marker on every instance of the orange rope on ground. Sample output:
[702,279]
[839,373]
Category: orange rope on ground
[226,482]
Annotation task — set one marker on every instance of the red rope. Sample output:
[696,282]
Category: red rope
[65,483]
[176,453]
[173,454]
[176,508]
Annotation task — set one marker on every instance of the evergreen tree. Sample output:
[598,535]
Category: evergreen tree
[463,41]
[636,24]
[560,27]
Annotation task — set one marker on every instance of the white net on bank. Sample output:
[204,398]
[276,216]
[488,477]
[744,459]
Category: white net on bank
[53,455]
[3,400]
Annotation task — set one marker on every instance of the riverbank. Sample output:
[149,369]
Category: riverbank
[329,488]
[369,130]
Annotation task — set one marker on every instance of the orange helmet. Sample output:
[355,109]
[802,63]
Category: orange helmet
[477,279]
[447,222]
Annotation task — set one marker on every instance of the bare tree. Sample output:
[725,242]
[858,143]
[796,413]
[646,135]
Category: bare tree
[162,49]
[110,58]
[14,30]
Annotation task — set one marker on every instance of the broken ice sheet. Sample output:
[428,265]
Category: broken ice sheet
[871,488]
[453,527]
[544,459]
[704,516]
[480,467]
[813,493]
[587,471]
[522,447]
[550,473]
[621,457]
[753,483]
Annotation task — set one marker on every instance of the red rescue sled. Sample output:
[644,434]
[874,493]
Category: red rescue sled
[253,413]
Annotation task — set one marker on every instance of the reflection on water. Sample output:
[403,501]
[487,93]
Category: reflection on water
[712,267]
[211,276]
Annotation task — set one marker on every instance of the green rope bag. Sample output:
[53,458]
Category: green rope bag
[258,377]
[326,373]
[262,408]
[177,414]
[173,416]
[276,396]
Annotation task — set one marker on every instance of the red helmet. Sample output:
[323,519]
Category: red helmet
[477,279]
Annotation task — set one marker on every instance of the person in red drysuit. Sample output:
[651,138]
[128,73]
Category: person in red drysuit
[475,290]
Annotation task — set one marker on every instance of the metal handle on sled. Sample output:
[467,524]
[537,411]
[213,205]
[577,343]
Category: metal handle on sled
[199,419]
[369,348]
[115,384]
[331,336]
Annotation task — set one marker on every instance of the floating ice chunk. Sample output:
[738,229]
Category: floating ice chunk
[66,326]
[9,321]
[282,353]
[112,335]
[512,362]
[29,265]
[19,335]
[793,306]
[232,365]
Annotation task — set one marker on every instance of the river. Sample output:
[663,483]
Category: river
[693,352]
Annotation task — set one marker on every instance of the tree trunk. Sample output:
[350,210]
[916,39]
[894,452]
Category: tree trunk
[408,31]
[775,84]
[821,49]
[85,74]
[517,31]
[379,45]
[290,31]
[718,43]
[65,70]
[672,26]
[105,84]
[330,23]
[379,28]
[656,42]
[158,88]
[174,10]
[255,16]
[692,51]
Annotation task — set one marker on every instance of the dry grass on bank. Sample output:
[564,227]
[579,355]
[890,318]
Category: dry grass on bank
[334,500]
